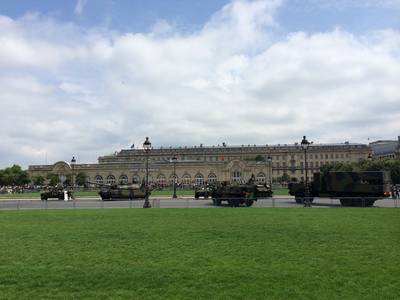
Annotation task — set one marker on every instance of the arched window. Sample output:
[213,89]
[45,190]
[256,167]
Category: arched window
[236,176]
[212,178]
[186,179]
[110,179]
[171,179]
[98,179]
[199,179]
[260,179]
[135,179]
[161,180]
[123,179]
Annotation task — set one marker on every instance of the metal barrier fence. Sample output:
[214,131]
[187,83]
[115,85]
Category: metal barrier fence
[179,203]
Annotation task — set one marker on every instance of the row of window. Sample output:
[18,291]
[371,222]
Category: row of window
[186,179]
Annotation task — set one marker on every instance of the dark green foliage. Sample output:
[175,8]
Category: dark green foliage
[38,180]
[259,157]
[14,176]
[367,165]
[200,254]
[81,178]
[53,179]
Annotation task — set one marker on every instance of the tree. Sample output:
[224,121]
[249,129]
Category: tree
[38,180]
[81,178]
[14,176]
[53,179]
[285,177]
[259,157]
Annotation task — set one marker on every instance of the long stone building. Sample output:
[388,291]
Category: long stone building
[199,164]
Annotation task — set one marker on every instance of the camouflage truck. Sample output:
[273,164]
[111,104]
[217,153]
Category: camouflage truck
[239,195]
[121,192]
[55,192]
[203,191]
[352,188]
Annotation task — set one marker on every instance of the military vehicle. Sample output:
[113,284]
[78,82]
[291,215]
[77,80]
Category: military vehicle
[55,192]
[239,195]
[120,192]
[352,188]
[203,191]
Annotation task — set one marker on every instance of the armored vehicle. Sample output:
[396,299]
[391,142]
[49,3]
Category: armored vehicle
[239,195]
[352,188]
[55,192]
[203,191]
[119,192]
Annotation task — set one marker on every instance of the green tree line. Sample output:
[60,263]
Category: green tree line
[14,176]
[367,165]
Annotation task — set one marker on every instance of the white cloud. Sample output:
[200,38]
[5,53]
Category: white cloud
[79,7]
[67,91]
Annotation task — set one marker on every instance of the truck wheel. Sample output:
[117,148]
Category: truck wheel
[196,196]
[233,202]
[299,200]
[216,202]
[362,202]
[249,202]
[43,198]
[346,202]
[369,202]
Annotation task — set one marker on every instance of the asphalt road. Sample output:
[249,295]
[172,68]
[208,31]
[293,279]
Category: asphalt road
[83,203]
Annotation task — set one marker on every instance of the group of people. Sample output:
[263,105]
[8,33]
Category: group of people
[395,191]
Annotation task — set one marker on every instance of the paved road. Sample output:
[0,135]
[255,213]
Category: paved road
[170,203]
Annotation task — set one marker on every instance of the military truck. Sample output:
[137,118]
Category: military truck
[121,192]
[203,191]
[239,195]
[352,188]
[56,192]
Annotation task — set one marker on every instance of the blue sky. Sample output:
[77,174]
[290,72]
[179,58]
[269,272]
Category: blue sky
[138,15]
[87,78]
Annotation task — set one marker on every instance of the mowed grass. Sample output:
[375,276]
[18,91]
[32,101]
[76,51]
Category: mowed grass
[227,253]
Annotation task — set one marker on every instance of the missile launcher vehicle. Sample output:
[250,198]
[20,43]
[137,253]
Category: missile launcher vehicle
[352,188]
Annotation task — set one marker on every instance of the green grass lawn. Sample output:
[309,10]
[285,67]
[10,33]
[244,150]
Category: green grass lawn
[241,253]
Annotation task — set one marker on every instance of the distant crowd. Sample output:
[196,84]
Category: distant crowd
[11,189]
[395,191]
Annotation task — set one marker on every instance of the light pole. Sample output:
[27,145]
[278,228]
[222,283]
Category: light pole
[269,159]
[174,159]
[147,147]
[73,162]
[304,145]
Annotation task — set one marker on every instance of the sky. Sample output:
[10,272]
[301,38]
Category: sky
[89,77]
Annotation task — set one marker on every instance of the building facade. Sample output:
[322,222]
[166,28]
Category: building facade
[206,164]
[386,149]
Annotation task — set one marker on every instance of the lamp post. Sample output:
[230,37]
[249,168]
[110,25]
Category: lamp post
[73,162]
[304,145]
[174,160]
[269,159]
[147,147]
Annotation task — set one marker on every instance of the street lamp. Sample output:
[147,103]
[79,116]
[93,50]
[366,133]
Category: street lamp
[147,147]
[304,145]
[73,162]
[174,159]
[269,160]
